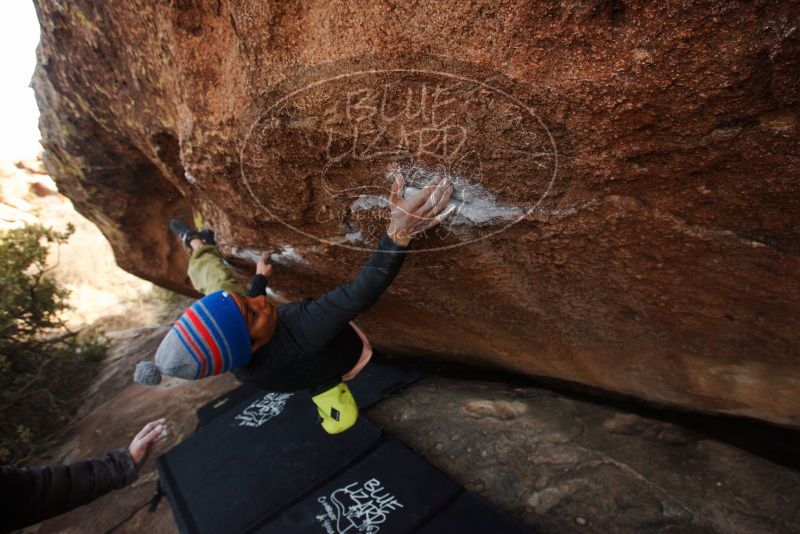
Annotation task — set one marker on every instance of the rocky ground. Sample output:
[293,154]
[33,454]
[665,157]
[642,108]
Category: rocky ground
[565,465]
[557,463]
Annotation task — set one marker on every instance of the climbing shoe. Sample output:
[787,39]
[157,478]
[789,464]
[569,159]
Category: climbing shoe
[337,408]
[186,234]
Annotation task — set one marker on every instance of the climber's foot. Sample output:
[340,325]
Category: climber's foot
[190,237]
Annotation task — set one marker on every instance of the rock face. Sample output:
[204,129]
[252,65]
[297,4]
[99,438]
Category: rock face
[626,171]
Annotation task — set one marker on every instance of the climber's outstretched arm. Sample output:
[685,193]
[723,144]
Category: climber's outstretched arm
[313,323]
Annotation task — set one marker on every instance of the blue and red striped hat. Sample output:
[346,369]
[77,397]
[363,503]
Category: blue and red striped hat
[210,338]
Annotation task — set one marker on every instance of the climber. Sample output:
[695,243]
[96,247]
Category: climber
[305,345]
[33,494]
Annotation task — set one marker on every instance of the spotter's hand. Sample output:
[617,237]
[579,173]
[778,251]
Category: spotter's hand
[151,436]
[423,211]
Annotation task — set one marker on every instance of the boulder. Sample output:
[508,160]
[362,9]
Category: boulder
[625,171]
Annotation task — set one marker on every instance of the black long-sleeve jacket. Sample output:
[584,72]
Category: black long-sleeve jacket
[313,343]
[32,494]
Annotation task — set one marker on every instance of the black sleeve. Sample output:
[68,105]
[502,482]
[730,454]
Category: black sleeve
[33,494]
[314,323]
[257,286]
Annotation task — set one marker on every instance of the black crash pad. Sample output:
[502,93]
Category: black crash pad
[470,514]
[225,402]
[373,384]
[260,462]
[391,490]
[252,460]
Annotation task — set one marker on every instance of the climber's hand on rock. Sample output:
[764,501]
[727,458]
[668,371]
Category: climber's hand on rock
[151,436]
[264,265]
[423,211]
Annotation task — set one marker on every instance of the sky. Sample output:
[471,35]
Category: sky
[19,35]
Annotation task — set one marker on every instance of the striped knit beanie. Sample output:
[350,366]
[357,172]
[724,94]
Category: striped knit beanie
[210,338]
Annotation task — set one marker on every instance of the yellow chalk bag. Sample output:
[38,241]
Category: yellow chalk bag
[337,408]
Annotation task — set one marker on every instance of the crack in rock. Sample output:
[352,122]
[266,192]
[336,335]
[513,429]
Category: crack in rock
[682,225]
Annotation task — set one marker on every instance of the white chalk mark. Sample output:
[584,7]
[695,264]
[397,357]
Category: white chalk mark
[277,297]
[368,202]
[288,255]
[249,254]
[354,237]
[474,204]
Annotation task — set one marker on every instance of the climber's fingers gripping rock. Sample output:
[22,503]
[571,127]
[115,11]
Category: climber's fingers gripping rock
[264,265]
[426,209]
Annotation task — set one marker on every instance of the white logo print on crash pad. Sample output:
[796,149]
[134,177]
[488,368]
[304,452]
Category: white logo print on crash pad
[357,508]
[262,410]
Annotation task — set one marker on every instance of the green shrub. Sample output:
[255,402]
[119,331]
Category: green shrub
[44,367]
